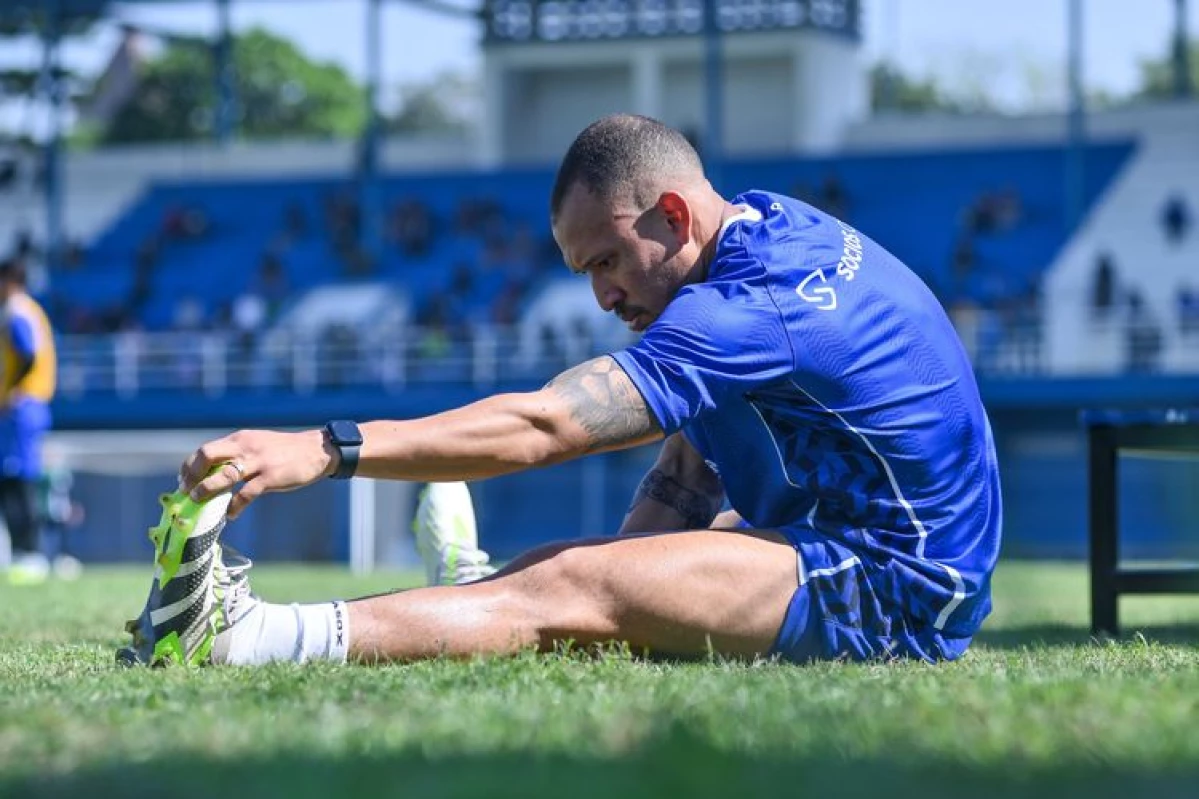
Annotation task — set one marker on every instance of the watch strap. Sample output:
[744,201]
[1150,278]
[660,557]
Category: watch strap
[348,452]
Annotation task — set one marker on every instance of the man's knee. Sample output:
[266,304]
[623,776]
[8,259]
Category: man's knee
[563,590]
[555,570]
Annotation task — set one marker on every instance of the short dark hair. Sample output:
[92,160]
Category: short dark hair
[617,153]
[12,270]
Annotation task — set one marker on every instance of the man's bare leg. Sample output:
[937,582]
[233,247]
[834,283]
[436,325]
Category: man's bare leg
[676,593]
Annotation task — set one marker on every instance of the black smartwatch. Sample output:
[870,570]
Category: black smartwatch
[345,436]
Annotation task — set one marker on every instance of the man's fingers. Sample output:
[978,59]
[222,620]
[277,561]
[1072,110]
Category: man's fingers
[196,468]
[222,479]
[249,492]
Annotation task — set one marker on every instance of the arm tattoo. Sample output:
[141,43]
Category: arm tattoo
[696,509]
[605,403]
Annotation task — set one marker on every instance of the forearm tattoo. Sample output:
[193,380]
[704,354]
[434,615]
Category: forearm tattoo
[696,509]
[605,403]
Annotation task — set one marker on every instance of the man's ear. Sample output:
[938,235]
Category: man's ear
[677,214]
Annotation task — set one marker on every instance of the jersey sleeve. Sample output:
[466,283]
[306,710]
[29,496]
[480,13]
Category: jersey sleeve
[20,334]
[713,341]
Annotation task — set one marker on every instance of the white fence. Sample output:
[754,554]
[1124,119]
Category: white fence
[214,363]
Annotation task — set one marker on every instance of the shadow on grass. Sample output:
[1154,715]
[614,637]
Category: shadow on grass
[673,765]
[1058,634]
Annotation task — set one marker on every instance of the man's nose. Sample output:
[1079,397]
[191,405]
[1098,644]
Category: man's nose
[607,294]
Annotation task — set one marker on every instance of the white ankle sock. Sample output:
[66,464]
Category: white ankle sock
[290,632]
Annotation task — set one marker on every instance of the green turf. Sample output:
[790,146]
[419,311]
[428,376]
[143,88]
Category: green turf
[1035,709]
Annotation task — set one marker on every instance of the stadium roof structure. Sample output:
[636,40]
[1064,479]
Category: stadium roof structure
[519,21]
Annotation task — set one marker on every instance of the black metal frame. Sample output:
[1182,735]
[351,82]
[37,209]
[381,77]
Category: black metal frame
[1109,434]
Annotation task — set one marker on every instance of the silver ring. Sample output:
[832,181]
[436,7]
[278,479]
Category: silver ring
[237,467]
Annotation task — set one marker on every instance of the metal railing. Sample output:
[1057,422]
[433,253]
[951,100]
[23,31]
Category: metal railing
[127,365]
[130,364]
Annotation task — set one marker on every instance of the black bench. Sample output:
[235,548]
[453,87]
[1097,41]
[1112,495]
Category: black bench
[1110,433]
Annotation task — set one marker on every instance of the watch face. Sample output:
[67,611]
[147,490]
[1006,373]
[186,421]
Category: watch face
[345,433]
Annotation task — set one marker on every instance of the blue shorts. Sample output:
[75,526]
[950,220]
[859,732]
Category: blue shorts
[836,614]
[22,429]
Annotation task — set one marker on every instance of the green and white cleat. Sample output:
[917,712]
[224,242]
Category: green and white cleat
[447,537]
[29,568]
[200,587]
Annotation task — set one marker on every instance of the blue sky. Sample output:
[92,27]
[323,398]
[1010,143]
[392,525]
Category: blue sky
[1015,46]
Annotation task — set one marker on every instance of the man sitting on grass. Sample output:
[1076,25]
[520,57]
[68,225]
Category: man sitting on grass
[793,368]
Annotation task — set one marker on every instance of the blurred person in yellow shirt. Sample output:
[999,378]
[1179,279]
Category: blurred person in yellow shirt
[28,357]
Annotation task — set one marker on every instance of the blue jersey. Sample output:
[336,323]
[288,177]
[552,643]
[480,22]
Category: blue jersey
[824,384]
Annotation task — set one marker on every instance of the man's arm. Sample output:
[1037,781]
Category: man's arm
[593,407]
[679,493]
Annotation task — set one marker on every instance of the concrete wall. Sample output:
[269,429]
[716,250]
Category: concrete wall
[784,91]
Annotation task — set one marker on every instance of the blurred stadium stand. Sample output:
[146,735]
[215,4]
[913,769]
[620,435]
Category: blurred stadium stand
[461,294]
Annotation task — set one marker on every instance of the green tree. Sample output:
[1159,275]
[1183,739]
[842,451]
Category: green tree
[24,19]
[891,90]
[280,92]
[1157,75]
[445,104]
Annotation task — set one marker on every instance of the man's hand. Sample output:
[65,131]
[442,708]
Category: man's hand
[262,460]
[593,407]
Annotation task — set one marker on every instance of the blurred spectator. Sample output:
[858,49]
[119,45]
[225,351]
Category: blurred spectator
[993,212]
[462,281]
[295,220]
[410,226]
[435,343]
[433,346]
[145,264]
[510,255]
[1144,337]
[833,198]
[272,284]
[522,247]
[446,312]
[963,263]
[73,254]
[8,173]
[505,309]
[1103,286]
[476,216]
[147,254]
[340,345]
[1188,311]
[248,317]
[1176,218]
[60,513]
[184,223]
[342,219]
[23,245]
[29,358]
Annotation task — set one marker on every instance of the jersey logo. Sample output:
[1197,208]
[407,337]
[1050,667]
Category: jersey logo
[823,295]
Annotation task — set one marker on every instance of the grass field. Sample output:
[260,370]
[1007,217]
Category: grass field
[1035,709]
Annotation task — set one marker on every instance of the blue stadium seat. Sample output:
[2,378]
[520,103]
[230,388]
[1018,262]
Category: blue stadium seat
[912,203]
